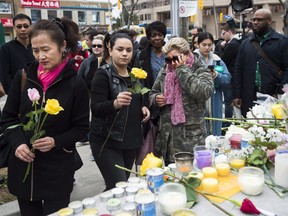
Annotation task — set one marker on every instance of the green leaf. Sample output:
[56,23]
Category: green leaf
[191,194]
[30,114]
[131,90]
[137,87]
[28,126]
[40,111]
[14,126]
[189,204]
[144,90]
[194,182]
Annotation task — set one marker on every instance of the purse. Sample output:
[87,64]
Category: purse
[5,148]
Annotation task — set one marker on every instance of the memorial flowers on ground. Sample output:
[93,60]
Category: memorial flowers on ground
[36,118]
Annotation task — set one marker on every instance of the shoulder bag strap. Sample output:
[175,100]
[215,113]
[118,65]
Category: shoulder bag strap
[266,58]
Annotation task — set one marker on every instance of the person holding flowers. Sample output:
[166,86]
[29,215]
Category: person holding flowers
[180,91]
[117,111]
[43,126]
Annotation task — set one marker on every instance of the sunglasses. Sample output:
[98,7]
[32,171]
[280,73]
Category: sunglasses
[20,26]
[170,60]
[97,45]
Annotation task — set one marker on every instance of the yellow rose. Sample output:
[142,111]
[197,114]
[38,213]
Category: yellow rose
[278,111]
[150,161]
[139,73]
[52,107]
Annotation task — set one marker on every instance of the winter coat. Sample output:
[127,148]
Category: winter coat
[275,46]
[51,172]
[197,86]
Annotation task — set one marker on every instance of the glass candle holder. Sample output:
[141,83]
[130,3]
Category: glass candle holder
[172,196]
[251,180]
[235,141]
[183,162]
[203,157]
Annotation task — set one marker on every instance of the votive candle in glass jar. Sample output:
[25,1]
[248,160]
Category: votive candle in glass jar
[251,180]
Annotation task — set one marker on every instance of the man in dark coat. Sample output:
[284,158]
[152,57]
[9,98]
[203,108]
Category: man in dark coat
[16,53]
[253,73]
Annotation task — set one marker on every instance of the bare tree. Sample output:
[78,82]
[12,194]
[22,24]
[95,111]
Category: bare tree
[285,16]
[129,7]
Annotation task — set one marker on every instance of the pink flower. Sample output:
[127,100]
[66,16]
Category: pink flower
[33,95]
[248,207]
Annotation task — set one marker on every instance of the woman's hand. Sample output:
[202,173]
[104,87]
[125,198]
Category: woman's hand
[146,114]
[123,99]
[44,144]
[182,59]
[160,100]
[24,153]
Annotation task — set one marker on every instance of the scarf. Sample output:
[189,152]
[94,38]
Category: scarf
[46,78]
[173,93]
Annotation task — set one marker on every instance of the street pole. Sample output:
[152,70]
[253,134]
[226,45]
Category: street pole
[175,17]
[110,22]
[215,20]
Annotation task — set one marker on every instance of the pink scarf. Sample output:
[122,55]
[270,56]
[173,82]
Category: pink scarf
[46,78]
[173,93]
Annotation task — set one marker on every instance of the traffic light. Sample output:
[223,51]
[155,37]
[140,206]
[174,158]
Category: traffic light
[221,17]
[200,4]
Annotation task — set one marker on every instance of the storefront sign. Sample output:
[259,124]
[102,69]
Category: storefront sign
[7,22]
[40,4]
[90,6]
[5,8]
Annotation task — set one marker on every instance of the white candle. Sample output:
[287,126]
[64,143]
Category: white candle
[171,201]
[281,169]
[251,180]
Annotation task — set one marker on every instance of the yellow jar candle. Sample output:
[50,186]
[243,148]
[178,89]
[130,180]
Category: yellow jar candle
[65,212]
[209,172]
[198,175]
[210,185]
[237,163]
[223,169]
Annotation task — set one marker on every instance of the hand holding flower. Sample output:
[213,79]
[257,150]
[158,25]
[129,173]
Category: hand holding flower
[44,144]
[24,153]
[123,99]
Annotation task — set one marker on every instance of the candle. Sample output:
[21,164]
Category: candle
[223,169]
[90,212]
[237,163]
[77,206]
[203,158]
[235,141]
[113,204]
[281,168]
[184,212]
[88,202]
[65,212]
[198,175]
[251,180]
[171,197]
[104,197]
[118,192]
[121,184]
[209,172]
[130,190]
[210,185]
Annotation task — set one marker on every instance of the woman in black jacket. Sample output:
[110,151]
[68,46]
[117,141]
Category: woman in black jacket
[116,114]
[50,181]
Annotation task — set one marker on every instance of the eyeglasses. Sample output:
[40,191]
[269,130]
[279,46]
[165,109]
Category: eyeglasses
[97,45]
[20,26]
[224,32]
[170,60]
[259,19]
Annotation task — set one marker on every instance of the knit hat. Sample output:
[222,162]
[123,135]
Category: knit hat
[155,26]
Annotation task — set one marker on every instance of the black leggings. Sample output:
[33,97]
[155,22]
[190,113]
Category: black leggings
[107,160]
[41,207]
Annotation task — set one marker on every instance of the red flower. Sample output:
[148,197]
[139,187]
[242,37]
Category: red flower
[248,207]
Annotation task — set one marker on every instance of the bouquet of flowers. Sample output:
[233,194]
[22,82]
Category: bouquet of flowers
[36,121]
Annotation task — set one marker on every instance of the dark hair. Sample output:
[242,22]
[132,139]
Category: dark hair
[130,32]
[56,30]
[226,27]
[21,17]
[143,43]
[107,38]
[155,26]
[91,34]
[199,29]
[205,35]
[116,36]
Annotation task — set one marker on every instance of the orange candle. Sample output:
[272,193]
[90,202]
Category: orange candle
[237,163]
[210,185]
[209,172]
[223,169]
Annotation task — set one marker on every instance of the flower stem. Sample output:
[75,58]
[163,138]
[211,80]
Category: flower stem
[127,170]
[28,167]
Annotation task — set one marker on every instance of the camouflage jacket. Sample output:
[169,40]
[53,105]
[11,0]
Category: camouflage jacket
[197,87]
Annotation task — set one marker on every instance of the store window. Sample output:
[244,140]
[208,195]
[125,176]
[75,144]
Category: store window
[67,14]
[81,17]
[52,14]
[35,15]
[96,16]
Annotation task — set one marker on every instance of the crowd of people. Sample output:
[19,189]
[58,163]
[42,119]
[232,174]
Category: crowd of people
[187,83]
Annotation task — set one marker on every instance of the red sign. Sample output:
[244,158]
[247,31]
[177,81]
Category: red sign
[7,22]
[40,3]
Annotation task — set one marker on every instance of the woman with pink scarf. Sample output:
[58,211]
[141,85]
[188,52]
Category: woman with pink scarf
[180,91]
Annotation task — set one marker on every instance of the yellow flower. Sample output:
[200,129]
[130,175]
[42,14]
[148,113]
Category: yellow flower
[139,73]
[53,107]
[278,111]
[150,161]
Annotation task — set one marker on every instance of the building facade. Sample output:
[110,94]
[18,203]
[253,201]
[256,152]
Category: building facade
[95,14]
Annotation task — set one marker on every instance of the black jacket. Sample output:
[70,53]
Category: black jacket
[245,68]
[53,171]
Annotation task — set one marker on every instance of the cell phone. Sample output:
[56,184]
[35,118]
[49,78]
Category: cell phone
[211,67]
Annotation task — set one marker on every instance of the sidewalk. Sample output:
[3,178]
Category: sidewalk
[89,182]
